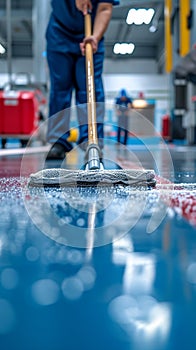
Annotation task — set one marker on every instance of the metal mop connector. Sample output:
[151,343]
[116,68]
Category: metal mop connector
[93,157]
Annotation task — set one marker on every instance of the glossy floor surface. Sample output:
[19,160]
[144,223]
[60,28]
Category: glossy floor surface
[99,268]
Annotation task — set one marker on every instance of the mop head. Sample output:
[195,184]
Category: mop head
[65,177]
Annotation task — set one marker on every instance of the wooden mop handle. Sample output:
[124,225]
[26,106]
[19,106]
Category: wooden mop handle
[92,123]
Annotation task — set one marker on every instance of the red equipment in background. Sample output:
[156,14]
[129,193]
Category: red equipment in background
[19,112]
[22,109]
[166,127]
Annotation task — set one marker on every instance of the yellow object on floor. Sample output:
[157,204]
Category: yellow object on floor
[73,137]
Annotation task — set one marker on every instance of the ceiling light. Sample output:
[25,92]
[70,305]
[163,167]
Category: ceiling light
[140,16]
[123,48]
[2,49]
[153,29]
[154,26]
[140,102]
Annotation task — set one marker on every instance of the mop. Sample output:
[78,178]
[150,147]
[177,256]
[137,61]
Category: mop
[94,173]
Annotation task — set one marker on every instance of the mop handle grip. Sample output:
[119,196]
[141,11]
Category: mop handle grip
[88,25]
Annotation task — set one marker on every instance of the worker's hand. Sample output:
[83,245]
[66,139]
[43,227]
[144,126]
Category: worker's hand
[90,39]
[84,6]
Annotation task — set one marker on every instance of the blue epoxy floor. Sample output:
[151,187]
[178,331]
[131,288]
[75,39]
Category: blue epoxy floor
[120,274]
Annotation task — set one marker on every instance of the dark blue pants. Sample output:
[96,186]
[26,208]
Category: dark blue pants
[122,131]
[121,137]
[67,73]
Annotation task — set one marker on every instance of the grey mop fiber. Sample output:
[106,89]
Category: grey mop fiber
[67,177]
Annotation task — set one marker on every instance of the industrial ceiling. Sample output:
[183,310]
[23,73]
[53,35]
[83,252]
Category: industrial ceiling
[148,45]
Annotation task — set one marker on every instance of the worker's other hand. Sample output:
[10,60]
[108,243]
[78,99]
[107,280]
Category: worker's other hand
[92,40]
[84,6]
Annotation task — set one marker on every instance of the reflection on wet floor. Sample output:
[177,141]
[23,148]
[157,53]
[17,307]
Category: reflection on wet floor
[97,268]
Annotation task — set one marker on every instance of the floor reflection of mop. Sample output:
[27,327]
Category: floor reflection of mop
[90,234]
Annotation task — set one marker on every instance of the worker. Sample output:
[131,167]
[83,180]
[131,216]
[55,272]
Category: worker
[123,104]
[65,54]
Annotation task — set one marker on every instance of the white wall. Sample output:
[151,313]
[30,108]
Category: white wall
[152,85]
[110,66]
[135,76]
[18,66]
[129,66]
[155,87]
[138,77]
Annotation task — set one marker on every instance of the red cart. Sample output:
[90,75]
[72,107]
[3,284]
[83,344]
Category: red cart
[19,114]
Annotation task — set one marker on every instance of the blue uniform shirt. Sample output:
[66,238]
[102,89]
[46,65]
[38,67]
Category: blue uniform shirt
[122,104]
[70,18]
